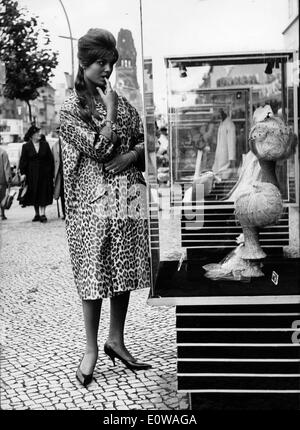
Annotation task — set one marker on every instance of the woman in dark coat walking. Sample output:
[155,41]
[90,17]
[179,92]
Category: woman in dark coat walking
[37,168]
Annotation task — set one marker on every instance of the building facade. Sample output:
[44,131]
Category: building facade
[14,115]
[291,31]
[43,109]
[126,73]
[61,92]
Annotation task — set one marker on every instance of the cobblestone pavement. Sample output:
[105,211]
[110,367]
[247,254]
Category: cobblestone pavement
[43,336]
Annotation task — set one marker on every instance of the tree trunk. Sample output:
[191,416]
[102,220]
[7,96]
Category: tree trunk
[29,110]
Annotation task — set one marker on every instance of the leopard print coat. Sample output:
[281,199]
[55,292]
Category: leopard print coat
[106,213]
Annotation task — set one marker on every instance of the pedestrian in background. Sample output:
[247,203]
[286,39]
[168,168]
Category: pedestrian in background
[103,153]
[163,141]
[58,174]
[5,178]
[37,169]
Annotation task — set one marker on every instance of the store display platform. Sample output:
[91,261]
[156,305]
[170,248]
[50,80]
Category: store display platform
[239,357]
[238,343]
[190,286]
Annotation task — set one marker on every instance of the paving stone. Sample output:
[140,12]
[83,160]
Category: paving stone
[124,385]
[78,401]
[69,405]
[148,406]
[10,391]
[74,394]
[63,395]
[31,391]
[89,398]
[59,406]
[36,395]
[5,405]
[55,400]
[109,395]
[131,390]
[137,384]
[142,390]
[24,397]
[13,400]
[43,400]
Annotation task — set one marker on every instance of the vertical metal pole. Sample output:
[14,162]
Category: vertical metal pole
[295,83]
[58,212]
[283,89]
[247,117]
[150,207]
[71,40]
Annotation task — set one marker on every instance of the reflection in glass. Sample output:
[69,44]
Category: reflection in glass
[210,108]
[203,144]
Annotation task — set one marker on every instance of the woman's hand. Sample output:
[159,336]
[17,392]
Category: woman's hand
[23,178]
[110,100]
[119,163]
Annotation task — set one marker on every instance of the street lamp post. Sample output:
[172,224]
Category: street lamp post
[71,40]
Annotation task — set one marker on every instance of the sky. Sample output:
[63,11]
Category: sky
[179,27]
[82,14]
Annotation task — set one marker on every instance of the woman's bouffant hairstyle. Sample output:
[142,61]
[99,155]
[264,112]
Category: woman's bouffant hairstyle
[94,45]
[30,132]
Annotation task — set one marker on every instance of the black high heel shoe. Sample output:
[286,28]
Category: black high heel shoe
[85,380]
[132,365]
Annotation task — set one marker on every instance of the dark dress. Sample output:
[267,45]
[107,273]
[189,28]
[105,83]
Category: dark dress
[39,170]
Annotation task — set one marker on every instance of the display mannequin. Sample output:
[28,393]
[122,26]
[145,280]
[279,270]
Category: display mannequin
[258,203]
[225,157]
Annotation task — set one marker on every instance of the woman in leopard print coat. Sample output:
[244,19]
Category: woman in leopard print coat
[106,212]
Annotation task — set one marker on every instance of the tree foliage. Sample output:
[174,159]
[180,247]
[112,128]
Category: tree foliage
[24,49]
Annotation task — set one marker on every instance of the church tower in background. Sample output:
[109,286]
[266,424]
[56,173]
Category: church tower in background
[126,76]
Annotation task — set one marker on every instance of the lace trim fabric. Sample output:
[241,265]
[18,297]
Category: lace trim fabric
[233,267]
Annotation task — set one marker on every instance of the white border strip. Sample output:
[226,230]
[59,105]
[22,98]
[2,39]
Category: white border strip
[204,314]
[294,345]
[224,300]
[246,375]
[238,391]
[236,360]
[238,329]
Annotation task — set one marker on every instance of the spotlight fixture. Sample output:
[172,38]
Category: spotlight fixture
[269,68]
[238,95]
[182,71]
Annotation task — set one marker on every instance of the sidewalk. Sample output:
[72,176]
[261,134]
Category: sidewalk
[42,331]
